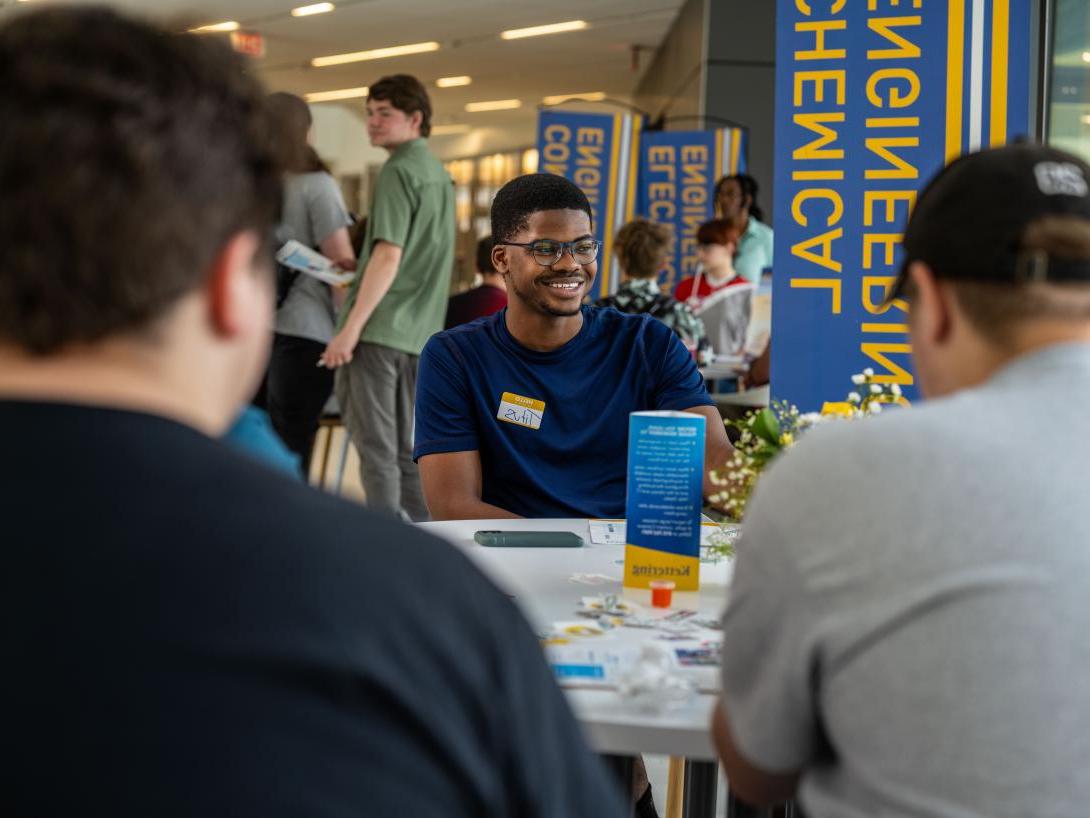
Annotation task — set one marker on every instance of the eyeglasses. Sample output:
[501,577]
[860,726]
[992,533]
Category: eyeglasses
[548,252]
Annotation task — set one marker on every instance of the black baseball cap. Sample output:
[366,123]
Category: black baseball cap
[969,220]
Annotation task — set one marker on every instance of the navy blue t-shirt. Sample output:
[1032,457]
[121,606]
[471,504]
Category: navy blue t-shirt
[551,427]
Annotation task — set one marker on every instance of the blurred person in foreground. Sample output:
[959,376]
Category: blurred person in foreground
[399,297]
[641,248]
[189,633]
[488,297]
[907,626]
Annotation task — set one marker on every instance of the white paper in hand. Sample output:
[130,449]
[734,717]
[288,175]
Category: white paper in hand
[312,263]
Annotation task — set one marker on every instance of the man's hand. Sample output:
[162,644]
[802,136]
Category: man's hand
[339,351]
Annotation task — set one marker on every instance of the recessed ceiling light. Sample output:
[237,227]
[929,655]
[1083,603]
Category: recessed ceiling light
[537,31]
[444,130]
[313,8]
[453,82]
[1086,56]
[1086,119]
[374,54]
[493,105]
[589,96]
[227,25]
[344,93]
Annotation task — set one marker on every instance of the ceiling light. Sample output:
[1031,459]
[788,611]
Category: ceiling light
[374,54]
[494,105]
[537,31]
[228,25]
[344,93]
[313,8]
[1086,119]
[589,96]
[453,82]
[444,130]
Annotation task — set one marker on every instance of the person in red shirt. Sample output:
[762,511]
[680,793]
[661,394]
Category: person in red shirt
[717,244]
[489,297]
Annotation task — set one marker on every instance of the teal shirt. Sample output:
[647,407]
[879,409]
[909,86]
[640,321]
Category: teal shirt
[754,251]
[413,208]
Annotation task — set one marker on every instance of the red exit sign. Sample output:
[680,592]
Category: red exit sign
[250,43]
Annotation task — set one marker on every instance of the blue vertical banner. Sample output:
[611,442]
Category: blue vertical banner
[599,153]
[872,99]
[678,172]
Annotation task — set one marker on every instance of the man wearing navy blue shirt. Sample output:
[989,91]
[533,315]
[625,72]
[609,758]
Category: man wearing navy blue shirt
[525,413]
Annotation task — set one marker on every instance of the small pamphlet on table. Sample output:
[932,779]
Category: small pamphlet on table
[665,496]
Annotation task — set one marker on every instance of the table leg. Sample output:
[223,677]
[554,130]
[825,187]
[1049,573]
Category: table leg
[625,769]
[701,778]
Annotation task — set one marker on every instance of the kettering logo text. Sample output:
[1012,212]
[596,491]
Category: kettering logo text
[659,571]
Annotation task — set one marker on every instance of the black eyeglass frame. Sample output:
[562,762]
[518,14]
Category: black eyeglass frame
[568,246]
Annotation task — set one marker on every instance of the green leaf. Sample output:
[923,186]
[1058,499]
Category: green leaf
[766,427]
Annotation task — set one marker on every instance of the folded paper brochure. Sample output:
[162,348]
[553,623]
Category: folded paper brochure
[312,263]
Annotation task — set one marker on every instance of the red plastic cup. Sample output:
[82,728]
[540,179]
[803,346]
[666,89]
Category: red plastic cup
[662,592]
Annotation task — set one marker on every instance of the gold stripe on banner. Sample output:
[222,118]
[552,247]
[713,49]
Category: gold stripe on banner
[608,228]
[955,76]
[1000,31]
[633,168]
[735,148]
[720,157]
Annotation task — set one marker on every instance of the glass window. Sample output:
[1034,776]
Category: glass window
[1069,109]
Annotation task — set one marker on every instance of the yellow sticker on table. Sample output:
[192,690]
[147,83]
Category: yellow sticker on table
[521,411]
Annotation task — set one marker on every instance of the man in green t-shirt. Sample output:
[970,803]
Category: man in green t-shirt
[399,297]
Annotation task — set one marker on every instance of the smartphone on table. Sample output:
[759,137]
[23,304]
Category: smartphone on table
[529,539]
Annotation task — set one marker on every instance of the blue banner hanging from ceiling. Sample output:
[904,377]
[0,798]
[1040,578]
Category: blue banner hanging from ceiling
[871,100]
[678,172]
[599,153]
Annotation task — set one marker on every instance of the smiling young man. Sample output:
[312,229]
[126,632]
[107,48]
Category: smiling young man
[399,298]
[525,413]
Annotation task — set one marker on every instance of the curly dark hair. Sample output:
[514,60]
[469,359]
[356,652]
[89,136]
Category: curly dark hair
[129,155]
[749,189]
[525,195]
[406,93]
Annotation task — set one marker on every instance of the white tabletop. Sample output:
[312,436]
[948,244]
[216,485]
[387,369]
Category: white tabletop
[540,580]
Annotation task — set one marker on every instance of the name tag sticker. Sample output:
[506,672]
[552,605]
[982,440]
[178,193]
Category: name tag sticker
[521,411]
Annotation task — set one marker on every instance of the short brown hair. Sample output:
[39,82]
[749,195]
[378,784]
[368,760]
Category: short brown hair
[641,247]
[128,156]
[406,93]
[996,308]
[718,231]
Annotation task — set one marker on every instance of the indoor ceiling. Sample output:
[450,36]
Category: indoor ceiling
[598,58]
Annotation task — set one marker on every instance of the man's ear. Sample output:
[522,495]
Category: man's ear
[499,258]
[931,304]
[417,119]
[239,294]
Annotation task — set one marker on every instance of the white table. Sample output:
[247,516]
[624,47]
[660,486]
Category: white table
[539,580]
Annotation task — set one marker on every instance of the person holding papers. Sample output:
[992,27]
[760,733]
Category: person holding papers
[315,216]
[525,413]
